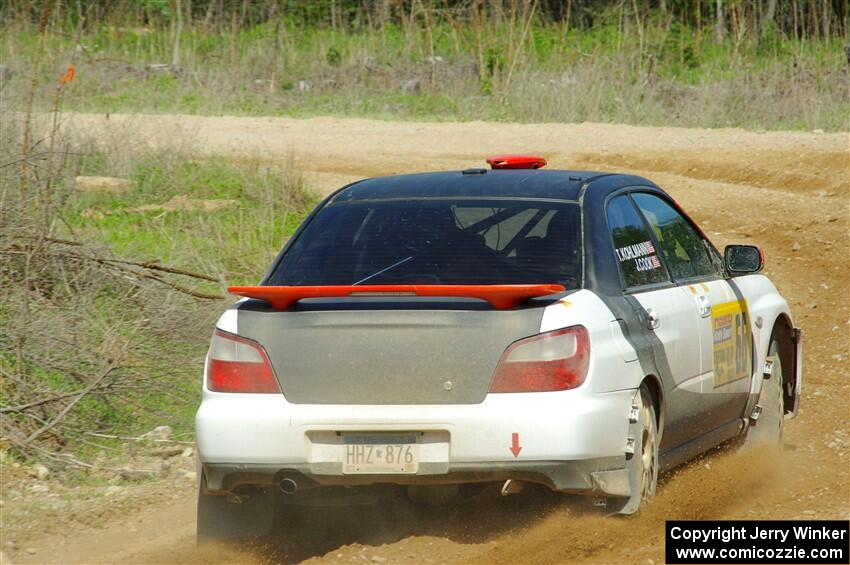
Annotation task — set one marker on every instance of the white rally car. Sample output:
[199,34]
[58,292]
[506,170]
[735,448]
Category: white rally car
[514,325]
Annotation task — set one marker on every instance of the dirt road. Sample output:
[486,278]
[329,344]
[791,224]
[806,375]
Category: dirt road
[788,192]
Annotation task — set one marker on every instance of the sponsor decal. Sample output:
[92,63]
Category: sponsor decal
[643,255]
[730,323]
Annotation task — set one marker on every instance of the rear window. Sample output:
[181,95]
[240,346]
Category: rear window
[436,241]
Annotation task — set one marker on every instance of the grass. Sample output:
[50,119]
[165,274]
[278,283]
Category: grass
[607,73]
[78,321]
[234,244]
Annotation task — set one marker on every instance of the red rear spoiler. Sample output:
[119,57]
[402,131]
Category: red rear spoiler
[499,296]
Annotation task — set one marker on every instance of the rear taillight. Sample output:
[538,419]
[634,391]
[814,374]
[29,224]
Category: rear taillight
[547,362]
[236,364]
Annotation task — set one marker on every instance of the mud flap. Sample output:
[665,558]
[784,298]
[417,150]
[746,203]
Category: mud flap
[792,393]
[232,516]
[630,501]
[630,482]
[612,483]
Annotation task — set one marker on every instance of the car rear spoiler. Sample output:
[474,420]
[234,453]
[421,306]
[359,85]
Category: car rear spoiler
[500,296]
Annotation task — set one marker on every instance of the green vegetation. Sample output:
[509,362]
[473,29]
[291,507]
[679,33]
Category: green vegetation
[165,218]
[782,67]
[87,316]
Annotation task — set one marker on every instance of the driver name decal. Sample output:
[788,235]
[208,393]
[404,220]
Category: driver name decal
[643,255]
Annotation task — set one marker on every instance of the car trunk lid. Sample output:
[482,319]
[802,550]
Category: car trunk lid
[387,351]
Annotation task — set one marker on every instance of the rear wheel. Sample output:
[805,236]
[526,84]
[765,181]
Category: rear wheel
[642,465]
[766,431]
[233,516]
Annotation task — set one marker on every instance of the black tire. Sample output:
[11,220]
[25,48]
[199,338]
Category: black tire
[231,517]
[766,432]
[643,465]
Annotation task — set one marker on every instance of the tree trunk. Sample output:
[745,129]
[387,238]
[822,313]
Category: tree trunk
[825,16]
[175,55]
[208,16]
[639,25]
[815,19]
[233,28]
[767,21]
[719,30]
[794,20]
[697,26]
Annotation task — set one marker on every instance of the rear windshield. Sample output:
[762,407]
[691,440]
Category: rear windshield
[436,241]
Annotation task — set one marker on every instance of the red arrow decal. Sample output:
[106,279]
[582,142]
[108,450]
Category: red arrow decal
[515,448]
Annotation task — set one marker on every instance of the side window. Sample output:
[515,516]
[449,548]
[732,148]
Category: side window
[636,255]
[681,246]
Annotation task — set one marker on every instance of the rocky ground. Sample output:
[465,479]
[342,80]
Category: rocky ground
[788,192]
[37,503]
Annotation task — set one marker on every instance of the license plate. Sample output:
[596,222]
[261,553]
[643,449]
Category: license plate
[380,453]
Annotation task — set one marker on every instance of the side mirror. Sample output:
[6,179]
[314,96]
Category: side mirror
[743,259]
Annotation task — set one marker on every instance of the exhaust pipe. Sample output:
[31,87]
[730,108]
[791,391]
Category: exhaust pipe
[511,487]
[287,485]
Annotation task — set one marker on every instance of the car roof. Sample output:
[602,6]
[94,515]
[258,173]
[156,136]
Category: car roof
[480,183]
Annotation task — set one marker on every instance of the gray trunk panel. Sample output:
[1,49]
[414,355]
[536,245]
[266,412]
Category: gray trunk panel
[386,356]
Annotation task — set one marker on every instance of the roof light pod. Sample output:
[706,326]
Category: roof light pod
[516,162]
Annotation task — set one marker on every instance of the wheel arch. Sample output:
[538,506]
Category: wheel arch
[653,383]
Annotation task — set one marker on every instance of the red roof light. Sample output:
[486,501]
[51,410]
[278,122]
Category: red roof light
[516,162]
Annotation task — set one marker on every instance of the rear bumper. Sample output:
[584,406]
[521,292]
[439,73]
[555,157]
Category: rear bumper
[569,439]
[602,475]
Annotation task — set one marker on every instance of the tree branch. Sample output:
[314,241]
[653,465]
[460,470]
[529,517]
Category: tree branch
[59,417]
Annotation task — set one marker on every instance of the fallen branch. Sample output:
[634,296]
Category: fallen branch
[125,472]
[118,265]
[180,288]
[51,239]
[142,264]
[167,452]
[33,404]
[12,434]
[59,417]
[34,156]
[176,271]
[138,438]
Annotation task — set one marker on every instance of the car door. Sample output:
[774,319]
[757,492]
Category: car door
[723,317]
[669,319]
